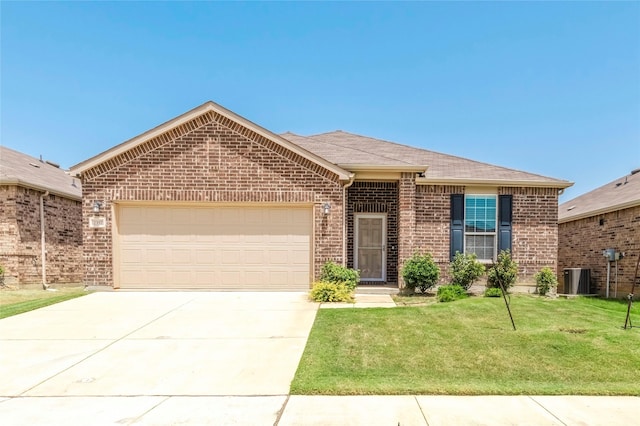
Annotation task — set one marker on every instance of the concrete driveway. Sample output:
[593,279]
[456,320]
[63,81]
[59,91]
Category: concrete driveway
[142,357]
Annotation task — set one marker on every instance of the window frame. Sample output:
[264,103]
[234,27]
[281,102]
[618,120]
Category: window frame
[493,234]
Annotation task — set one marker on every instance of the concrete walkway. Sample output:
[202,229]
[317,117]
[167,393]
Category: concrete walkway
[199,358]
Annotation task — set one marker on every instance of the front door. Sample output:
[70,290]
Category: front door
[370,246]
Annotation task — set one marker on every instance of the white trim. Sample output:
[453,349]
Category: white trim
[482,234]
[356,231]
[494,182]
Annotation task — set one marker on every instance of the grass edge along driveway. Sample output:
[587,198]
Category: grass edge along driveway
[14,302]
[468,347]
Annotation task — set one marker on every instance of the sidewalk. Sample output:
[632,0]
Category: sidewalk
[283,410]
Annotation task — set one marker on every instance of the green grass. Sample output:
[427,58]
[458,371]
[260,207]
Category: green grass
[14,302]
[468,347]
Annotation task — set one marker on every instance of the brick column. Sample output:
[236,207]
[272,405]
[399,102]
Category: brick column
[406,220]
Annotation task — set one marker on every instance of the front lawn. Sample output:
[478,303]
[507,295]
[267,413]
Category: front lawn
[17,301]
[468,347]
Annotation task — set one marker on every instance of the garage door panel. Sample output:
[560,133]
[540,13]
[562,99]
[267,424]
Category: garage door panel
[249,247]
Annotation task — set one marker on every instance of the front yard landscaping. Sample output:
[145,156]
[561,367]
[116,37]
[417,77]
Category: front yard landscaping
[468,347]
[17,301]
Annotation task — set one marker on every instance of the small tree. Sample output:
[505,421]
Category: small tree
[465,269]
[546,281]
[504,271]
[420,271]
[333,273]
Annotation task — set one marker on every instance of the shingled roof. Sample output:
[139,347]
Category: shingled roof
[620,194]
[21,169]
[351,151]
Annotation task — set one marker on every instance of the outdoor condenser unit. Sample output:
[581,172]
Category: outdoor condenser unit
[577,280]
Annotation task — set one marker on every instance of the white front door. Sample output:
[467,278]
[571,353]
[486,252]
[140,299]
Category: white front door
[370,246]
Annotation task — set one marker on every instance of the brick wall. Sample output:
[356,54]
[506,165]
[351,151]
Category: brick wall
[375,197]
[209,160]
[534,230]
[433,216]
[534,227]
[20,237]
[582,241]
[407,206]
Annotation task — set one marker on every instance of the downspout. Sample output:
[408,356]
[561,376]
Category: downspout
[42,241]
[352,178]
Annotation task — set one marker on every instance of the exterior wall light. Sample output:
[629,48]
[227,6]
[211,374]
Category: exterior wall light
[326,208]
[97,205]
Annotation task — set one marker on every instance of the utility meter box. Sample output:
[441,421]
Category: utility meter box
[609,254]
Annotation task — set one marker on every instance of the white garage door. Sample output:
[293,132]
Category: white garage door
[232,248]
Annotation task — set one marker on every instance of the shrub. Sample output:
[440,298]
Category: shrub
[493,292]
[546,281]
[449,293]
[504,271]
[465,269]
[324,291]
[334,273]
[420,271]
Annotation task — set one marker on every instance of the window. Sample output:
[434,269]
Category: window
[480,224]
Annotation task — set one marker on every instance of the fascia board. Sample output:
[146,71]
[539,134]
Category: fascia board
[604,210]
[495,182]
[29,185]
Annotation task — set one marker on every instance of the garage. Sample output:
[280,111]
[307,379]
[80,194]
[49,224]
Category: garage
[228,247]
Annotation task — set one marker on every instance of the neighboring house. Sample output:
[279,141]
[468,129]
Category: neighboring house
[605,218]
[31,189]
[212,200]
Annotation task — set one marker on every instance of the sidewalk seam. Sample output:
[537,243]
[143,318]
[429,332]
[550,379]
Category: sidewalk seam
[424,416]
[545,409]
[281,411]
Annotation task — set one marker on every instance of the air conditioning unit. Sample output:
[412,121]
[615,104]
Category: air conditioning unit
[577,281]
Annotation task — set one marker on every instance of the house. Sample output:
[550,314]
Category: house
[40,221]
[606,218]
[212,200]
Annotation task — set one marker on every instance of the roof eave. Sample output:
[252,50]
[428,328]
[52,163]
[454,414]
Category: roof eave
[29,185]
[383,168]
[596,212]
[189,115]
[494,182]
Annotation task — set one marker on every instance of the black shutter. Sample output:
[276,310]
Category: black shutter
[504,222]
[457,225]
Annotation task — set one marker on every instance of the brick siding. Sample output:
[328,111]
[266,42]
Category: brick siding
[209,160]
[375,197]
[582,241]
[20,238]
[534,227]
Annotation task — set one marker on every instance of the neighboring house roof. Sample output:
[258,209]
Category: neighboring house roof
[620,194]
[21,169]
[354,152]
[194,113]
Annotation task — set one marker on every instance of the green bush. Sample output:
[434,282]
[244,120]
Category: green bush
[334,273]
[449,293]
[504,271]
[324,291]
[465,269]
[493,292]
[420,271]
[546,281]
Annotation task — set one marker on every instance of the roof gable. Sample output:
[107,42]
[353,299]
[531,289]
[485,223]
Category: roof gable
[619,194]
[23,170]
[185,123]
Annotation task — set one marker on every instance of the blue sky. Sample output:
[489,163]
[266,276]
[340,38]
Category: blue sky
[546,87]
